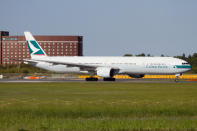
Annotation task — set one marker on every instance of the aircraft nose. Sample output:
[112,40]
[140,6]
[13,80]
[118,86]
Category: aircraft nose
[188,67]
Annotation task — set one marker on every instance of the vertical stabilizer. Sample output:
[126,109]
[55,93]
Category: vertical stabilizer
[34,48]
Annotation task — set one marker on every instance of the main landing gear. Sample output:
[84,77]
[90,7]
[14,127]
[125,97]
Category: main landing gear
[91,79]
[96,79]
[109,79]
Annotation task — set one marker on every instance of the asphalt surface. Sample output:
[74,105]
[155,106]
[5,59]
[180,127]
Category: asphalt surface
[100,81]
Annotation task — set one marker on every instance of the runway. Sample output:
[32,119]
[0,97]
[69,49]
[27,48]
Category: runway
[100,81]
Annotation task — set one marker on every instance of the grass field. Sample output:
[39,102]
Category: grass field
[98,106]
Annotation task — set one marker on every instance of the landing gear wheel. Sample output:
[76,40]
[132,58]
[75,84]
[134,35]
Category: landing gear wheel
[91,79]
[177,77]
[109,79]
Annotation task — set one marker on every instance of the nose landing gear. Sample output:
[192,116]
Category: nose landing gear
[177,77]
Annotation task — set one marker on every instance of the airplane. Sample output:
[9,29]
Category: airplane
[103,66]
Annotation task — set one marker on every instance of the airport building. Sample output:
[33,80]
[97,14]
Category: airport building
[16,46]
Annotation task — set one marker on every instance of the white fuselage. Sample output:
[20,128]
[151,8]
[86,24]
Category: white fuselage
[126,65]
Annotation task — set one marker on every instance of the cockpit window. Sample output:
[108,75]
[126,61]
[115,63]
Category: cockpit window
[185,63]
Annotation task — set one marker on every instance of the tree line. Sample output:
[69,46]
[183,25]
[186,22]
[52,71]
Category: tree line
[20,68]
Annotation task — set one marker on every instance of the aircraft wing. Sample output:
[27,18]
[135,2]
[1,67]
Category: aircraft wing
[81,66]
[31,62]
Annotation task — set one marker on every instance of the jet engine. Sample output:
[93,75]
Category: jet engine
[105,72]
[136,75]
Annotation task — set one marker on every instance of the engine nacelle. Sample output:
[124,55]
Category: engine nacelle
[105,72]
[136,75]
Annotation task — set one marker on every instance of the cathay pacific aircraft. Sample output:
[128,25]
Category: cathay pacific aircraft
[105,67]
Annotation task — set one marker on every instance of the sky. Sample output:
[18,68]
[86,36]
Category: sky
[109,27]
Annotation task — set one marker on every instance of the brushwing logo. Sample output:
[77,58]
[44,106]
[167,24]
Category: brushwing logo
[34,48]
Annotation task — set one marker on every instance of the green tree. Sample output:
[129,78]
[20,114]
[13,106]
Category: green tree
[128,55]
[142,54]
